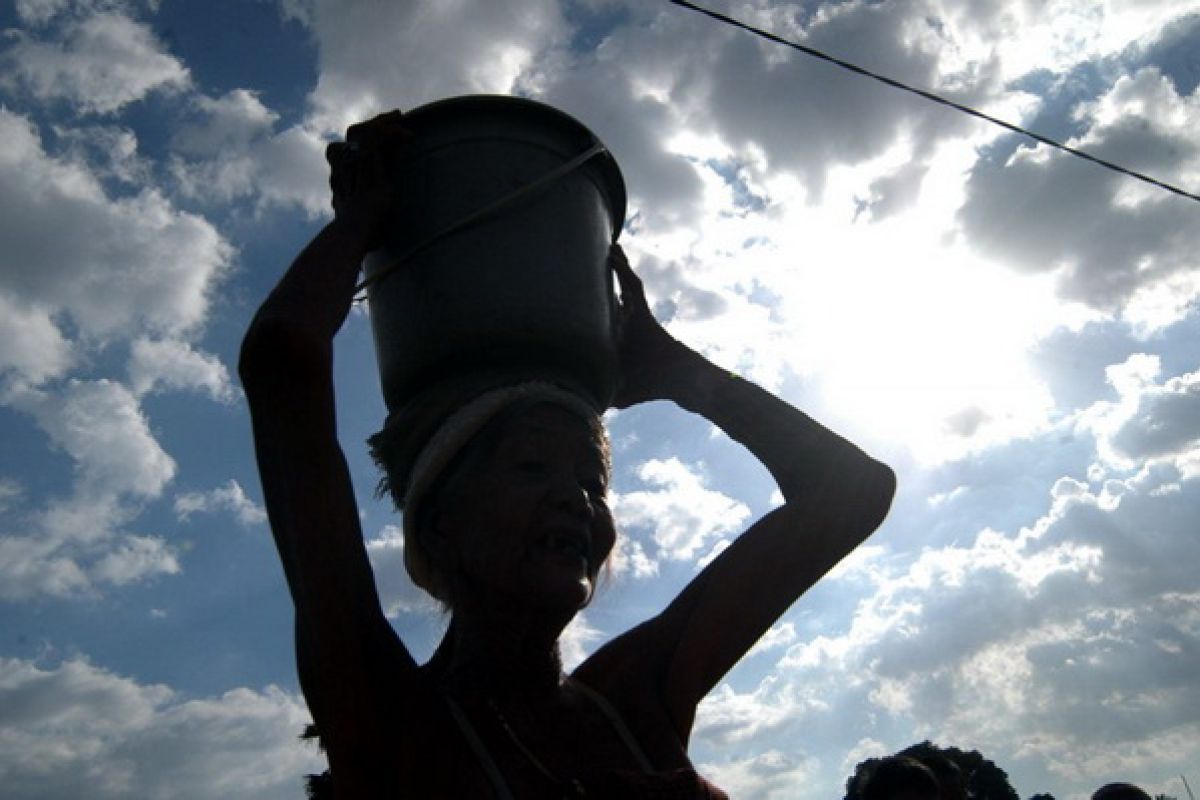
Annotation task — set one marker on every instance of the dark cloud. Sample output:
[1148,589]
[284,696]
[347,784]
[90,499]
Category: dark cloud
[895,191]
[1090,676]
[1050,212]
[807,115]
[1003,488]
[954,622]
[674,295]
[1174,53]
[1146,539]
[966,422]
[1072,363]
[663,187]
[1166,422]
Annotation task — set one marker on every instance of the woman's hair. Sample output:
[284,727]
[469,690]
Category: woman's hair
[418,478]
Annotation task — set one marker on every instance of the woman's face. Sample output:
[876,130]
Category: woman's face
[530,519]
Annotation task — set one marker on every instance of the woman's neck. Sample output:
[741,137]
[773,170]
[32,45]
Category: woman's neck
[497,651]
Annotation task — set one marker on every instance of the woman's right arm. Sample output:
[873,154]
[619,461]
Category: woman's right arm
[346,650]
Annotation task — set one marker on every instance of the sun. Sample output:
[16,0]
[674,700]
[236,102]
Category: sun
[910,335]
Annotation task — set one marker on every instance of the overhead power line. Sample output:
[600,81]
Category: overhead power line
[895,84]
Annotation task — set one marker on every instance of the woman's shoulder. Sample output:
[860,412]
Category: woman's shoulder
[636,656]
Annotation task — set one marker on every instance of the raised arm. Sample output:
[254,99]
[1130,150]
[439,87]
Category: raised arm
[342,636]
[834,497]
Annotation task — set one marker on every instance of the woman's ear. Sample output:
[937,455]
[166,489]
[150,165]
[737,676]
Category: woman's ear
[437,538]
[439,557]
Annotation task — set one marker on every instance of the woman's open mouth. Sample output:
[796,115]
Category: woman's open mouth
[567,544]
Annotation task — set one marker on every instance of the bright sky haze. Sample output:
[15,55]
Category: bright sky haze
[1014,330]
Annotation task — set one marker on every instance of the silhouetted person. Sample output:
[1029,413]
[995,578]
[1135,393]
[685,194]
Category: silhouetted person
[899,778]
[1120,791]
[951,783]
[506,522]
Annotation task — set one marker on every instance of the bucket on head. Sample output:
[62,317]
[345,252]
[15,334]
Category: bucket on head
[497,261]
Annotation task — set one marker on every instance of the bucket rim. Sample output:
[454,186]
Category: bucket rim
[604,162]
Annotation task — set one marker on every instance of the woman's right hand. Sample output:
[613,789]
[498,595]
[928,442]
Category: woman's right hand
[364,189]
[654,364]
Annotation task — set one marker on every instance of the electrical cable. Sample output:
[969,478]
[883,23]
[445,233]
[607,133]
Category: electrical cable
[933,97]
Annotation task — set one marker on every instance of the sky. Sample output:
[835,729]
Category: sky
[1014,330]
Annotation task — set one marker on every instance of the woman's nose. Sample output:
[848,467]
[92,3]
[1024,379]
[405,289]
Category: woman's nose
[570,496]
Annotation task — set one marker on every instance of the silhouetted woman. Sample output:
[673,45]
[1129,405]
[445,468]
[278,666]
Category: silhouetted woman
[506,523]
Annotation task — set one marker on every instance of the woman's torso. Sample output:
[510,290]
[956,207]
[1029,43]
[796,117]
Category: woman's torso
[592,741]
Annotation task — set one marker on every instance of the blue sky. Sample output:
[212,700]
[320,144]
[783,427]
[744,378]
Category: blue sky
[1012,329]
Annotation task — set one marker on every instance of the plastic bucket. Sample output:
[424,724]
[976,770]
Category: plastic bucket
[519,291]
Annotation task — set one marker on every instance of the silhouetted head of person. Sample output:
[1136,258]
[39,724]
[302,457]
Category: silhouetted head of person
[950,779]
[900,778]
[1120,791]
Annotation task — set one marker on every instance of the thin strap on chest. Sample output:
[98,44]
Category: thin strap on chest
[618,725]
[477,746]
[492,770]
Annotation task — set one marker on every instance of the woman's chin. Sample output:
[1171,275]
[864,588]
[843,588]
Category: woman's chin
[567,596]
[561,582]
[575,594]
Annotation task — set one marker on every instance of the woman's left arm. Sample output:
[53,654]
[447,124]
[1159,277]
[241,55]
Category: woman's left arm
[835,496]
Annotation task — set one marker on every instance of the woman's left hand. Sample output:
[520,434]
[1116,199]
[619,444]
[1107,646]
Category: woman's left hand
[652,361]
[363,185]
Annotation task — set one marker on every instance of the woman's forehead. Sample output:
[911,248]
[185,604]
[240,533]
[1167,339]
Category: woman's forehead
[550,423]
[547,418]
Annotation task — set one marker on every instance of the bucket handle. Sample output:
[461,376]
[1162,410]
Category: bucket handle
[529,188]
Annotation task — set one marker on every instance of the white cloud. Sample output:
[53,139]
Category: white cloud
[233,120]
[72,543]
[865,748]
[107,269]
[397,593]
[115,266]
[31,344]
[780,634]
[109,151]
[39,12]
[100,61]
[577,641]
[862,561]
[682,514]
[771,775]
[727,716]
[1057,35]
[629,558]
[77,730]
[35,565]
[74,546]
[231,151]
[293,172]
[100,425]
[158,364]
[230,497]
[1061,645]
[133,558]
